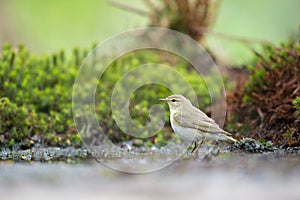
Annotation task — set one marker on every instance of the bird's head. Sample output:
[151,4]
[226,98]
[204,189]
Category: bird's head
[176,100]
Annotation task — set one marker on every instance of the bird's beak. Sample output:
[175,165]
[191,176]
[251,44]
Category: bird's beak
[162,99]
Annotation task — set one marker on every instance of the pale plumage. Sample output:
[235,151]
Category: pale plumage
[191,123]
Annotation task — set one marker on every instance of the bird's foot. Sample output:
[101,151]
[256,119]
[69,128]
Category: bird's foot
[207,153]
[196,147]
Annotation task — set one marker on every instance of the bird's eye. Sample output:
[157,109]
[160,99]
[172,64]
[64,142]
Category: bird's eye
[173,100]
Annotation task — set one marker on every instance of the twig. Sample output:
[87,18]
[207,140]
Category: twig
[260,113]
[150,4]
[263,60]
[203,30]
[128,8]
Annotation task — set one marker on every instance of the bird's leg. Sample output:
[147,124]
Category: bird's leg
[197,144]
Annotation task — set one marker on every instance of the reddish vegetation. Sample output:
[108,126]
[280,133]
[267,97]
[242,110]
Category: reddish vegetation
[262,106]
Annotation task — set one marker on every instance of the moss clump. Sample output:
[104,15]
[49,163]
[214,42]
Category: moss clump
[262,108]
[296,103]
[36,97]
[252,146]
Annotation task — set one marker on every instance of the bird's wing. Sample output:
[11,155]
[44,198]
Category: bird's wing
[197,119]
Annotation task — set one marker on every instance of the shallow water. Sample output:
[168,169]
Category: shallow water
[229,175]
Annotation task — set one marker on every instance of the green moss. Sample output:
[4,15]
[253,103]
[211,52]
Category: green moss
[36,96]
[296,103]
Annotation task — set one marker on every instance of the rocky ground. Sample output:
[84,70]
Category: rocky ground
[54,173]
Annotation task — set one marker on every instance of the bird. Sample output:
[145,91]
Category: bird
[192,124]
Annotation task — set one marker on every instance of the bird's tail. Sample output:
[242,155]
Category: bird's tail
[227,138]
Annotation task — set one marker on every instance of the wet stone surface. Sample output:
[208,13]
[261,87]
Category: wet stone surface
[245,170]
[219,174]
[128,151]
[44,154]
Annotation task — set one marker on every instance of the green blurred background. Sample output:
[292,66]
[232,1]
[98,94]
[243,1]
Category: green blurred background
[49,25]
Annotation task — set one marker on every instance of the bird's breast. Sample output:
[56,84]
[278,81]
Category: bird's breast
[184,132]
